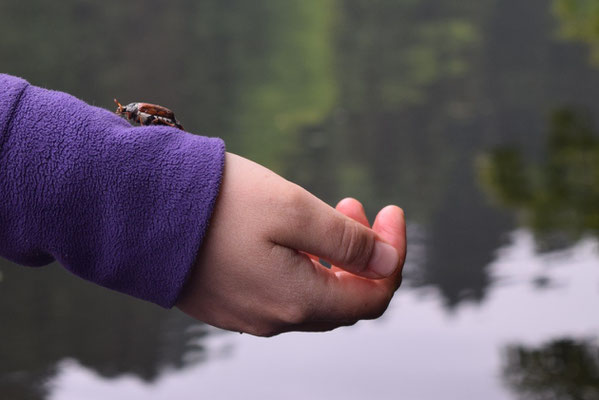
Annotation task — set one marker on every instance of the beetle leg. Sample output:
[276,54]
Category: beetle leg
[144,119]
[169,122]
[161,121]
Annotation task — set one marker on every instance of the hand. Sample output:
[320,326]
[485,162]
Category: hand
[258,269]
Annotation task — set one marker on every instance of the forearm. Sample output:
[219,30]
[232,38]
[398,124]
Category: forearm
[124,207]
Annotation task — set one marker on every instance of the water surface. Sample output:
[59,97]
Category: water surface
[478,118]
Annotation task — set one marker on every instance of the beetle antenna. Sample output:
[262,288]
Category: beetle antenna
[119,105]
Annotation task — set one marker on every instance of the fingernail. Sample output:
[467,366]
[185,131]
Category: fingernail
[384,259]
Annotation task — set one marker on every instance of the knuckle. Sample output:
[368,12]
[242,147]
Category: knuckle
[294,196]
[263,330]
[291,204]
[294,315]
[280,319]
[356,245]
[268,332]
[378,312]
[380,305]
[377,305]
[349,323]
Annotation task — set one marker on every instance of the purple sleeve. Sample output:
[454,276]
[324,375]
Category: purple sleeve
[124,207]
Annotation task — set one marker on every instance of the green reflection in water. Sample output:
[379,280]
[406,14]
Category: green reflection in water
[385,100]
[383,138]
[558,198]
[579,20]
[249,72]
[285,80]
[563,369]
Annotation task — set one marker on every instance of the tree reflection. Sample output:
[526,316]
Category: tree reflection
[564,369]
[462,238]
[404,131]
[557,197]
[578,21]
[49,315]
[388,101]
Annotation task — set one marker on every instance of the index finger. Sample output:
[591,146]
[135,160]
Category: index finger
[390,225]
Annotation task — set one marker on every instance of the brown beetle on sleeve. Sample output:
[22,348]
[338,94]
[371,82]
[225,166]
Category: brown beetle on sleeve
[148,114]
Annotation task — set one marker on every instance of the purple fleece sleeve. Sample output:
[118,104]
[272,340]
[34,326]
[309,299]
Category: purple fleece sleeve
[124,207]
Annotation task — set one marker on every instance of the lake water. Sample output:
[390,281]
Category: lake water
[479,118]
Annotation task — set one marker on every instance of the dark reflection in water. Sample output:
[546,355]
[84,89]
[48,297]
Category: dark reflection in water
[388,101]
[49,315]
[564,369]
[557,197]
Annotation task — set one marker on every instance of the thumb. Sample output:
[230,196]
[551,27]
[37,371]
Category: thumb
[318,229]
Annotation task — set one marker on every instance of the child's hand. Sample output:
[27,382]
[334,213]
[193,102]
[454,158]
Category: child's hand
[257,271]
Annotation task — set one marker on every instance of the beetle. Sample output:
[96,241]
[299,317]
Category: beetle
[148,114]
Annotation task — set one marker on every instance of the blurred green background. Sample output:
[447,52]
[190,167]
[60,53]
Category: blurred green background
[477,117]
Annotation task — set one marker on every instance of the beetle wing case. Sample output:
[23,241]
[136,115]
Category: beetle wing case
[154,109]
